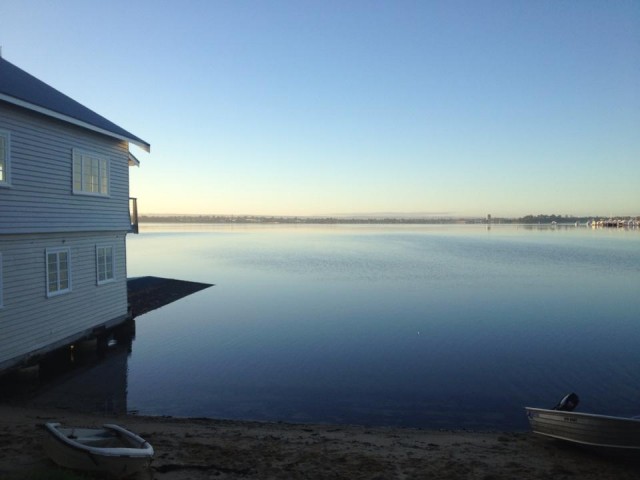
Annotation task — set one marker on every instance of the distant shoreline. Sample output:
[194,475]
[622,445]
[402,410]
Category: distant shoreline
[366,220]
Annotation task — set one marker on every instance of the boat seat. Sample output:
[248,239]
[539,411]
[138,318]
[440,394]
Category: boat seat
[100,441]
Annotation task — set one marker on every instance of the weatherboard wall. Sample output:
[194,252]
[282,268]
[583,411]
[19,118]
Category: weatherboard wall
[31,322]
[39,197]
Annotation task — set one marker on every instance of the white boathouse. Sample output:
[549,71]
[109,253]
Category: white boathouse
[65,212]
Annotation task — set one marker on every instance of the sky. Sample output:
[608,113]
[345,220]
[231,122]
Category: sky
[448,108]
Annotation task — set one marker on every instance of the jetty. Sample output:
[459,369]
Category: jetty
[148,293]
[614,223]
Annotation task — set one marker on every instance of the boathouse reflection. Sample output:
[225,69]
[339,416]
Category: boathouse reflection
[88,376]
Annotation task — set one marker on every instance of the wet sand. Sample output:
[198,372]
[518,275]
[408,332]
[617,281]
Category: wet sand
[197,449]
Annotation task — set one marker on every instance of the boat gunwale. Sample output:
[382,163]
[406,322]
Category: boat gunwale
[144,451]
[581,414]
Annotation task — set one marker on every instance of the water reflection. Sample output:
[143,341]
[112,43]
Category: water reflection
[85,377]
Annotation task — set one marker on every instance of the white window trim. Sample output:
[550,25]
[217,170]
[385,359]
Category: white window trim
[82,153]
[57,250]
[6,182]
[113,264]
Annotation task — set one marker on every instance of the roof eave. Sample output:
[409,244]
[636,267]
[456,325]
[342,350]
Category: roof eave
[74,121]
[133,161]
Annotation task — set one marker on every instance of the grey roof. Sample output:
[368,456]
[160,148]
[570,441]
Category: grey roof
[20,88]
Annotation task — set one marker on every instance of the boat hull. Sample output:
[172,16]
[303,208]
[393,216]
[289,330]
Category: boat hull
[127,455]
[600,431]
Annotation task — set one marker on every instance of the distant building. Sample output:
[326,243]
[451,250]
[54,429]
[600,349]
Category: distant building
[64,217]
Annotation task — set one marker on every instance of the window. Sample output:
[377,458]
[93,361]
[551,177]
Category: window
[58,271]
[90,174]
[4,158]
[105,264]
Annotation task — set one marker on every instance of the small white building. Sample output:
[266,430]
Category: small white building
[65,212]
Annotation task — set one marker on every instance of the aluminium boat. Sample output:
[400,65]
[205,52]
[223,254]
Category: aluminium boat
[609,434]
[111,449]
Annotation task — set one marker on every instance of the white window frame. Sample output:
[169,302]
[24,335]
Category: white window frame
[102,264]
[87,182]
[58,290]
[5,159]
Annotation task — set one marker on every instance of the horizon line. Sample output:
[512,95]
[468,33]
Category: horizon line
[382,215]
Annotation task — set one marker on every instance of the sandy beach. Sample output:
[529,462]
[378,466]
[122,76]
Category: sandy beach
[205,448]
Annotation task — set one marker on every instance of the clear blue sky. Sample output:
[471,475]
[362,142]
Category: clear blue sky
[333,107]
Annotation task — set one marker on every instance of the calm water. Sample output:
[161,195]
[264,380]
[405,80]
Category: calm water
[438,327]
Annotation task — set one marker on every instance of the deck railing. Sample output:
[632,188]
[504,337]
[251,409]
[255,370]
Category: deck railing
[133,214]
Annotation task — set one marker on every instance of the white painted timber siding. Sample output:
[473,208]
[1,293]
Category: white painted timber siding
[40,197]
[30,322]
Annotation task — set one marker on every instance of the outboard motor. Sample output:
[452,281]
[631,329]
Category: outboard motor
[568,403]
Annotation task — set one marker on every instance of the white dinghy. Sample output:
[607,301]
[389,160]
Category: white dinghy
[110,449]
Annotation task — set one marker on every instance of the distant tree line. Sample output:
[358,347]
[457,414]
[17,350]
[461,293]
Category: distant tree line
[248,219]
[543,219]
[266,219]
